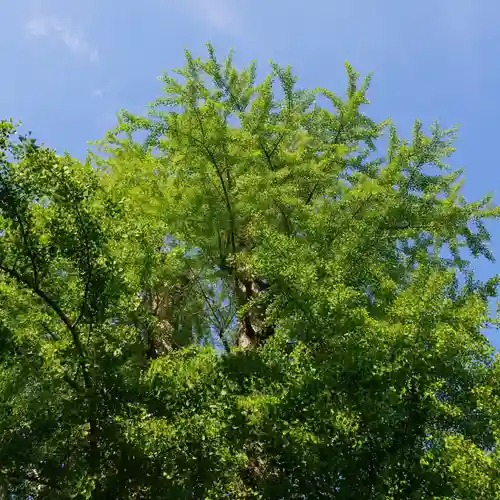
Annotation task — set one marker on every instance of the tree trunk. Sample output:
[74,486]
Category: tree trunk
[252,330]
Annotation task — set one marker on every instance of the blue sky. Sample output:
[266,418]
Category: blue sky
[69,66]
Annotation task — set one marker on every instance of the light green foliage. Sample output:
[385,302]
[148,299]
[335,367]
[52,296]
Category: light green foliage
[252,301]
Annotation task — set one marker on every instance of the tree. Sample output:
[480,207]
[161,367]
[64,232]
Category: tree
[250,302]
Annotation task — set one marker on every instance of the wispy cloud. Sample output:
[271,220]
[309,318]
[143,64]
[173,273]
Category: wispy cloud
[105,89]
[219,14]
[461,19]
[65,33]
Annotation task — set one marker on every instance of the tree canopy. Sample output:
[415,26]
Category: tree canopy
[241,294]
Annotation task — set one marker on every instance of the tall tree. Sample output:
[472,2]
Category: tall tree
[252,301]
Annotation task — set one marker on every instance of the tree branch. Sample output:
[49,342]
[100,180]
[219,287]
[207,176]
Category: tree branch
[24,236]
[335,142]
[57,309]
[86,243]
[12,477]
[227,200]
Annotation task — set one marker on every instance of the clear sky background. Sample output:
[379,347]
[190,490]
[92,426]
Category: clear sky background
[68,66]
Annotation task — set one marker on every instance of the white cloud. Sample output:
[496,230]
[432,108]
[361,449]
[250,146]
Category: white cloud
[64,33]
[219,14]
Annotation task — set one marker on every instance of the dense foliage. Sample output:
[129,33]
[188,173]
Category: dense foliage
[238,295]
